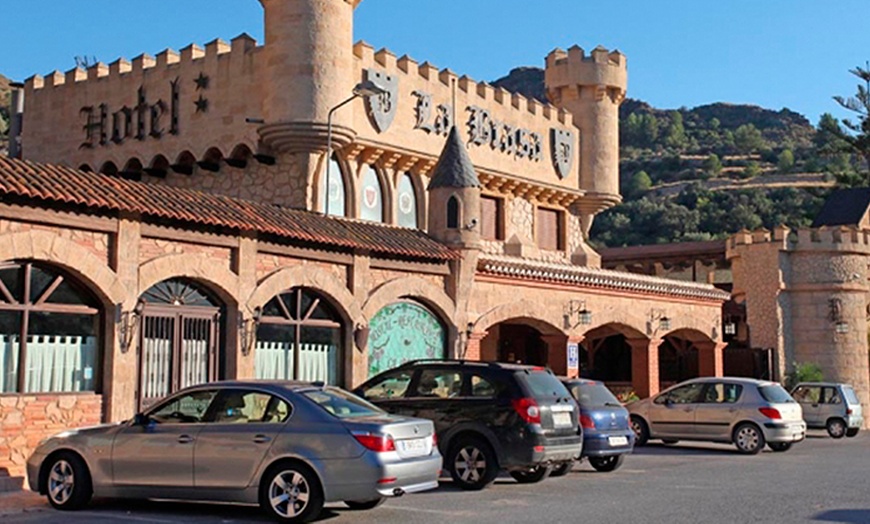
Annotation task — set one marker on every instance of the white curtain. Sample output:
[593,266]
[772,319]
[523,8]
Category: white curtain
[55,364]
[274,361]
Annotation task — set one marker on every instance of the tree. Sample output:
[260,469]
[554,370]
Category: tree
[748,139]
[856,135]
[785,161]
[751,170]
[676,137]
[713,166]
[639,184]
[650,130]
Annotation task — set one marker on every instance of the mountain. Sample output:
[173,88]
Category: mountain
[528,81]
[4,113]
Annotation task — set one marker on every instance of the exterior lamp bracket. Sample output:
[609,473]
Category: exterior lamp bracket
[128,324]
[248,329]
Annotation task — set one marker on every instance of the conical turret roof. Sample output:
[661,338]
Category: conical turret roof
[454,168]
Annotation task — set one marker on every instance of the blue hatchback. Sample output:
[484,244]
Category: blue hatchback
[607,434]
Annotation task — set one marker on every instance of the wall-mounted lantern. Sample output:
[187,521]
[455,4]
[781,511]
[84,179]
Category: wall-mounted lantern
[658,321]
[248,329]
[576,313]
[836,315]
[128,324]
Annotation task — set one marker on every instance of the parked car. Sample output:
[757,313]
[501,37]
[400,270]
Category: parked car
[607,433]
[488,416]
[834,407]
[288,446]
[750,413]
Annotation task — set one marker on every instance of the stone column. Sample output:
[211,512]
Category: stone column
[710,358]
[645,365]
[557,353]
[472,345]
[245,266]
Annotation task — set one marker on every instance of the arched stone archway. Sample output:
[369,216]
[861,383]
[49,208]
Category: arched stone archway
[312,277]
[518,310]
[688,353]
[49,247]
[220,280]
[415,288]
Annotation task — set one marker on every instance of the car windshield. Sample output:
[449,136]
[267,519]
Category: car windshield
[851,397]
[341,404]
[775,394]
[594,395]
[542,384]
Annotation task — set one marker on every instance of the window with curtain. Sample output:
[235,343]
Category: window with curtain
[49,325]
[332,202]
[490,218]
[407,203]
[548,223]
[299,338]
[371,205]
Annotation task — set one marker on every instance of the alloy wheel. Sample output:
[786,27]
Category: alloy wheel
[748,438]
[470,464]
[836,428]
[61,482]
[289,493]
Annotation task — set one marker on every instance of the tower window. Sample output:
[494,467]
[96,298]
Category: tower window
[453,213]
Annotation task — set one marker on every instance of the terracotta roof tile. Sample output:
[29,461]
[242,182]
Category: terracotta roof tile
[59,184]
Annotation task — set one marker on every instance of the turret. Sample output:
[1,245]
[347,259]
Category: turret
[591,88]
[308,68]
[454,197]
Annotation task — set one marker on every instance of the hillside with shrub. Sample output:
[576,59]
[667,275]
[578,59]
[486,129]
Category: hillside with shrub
[703,173]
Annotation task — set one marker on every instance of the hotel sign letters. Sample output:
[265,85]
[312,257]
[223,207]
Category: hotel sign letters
[104,126]
[500,136]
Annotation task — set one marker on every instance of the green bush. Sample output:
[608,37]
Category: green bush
[803,372]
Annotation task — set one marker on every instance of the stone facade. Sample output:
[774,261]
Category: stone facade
[806,295]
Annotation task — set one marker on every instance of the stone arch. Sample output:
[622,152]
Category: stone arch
[520,311]
[411,287]
[223,282]
[50,247]
[305,276]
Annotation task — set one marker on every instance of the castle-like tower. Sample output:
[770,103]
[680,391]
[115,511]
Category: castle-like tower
[591,88]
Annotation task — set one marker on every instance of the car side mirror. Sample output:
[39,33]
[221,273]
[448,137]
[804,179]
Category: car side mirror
[668,401]
[141,419]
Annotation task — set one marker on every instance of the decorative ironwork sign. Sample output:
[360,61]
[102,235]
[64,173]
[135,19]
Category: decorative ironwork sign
[562,145]
[145,120]
[442,121]
[382,107]
[503,137]
[401,332]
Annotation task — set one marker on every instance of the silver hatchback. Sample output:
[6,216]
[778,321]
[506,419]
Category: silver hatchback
[750,413]
[290,447]
[832,406]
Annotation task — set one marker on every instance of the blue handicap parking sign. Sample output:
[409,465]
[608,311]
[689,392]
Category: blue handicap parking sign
[573,355]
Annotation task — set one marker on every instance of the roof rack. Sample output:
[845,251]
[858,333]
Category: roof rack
[463,362]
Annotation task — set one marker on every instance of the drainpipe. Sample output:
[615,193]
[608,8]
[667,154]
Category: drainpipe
[16,116]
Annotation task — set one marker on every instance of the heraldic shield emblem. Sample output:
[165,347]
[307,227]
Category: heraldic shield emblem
[382,108]
[563,151]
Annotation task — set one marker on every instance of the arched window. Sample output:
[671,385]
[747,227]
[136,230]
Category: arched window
[49,331]
[402,332]
[181,342]
[371,205]
[453,213]
[299,338]
[407,202]
[335,203]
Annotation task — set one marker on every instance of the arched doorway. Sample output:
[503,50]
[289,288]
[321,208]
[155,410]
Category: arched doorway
[678,358]
[402,332]
[181,342]
[299,337]
[525,341]
[609,356]
[49,331]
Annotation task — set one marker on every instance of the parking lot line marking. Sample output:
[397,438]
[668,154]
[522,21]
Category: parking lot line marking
[124,517]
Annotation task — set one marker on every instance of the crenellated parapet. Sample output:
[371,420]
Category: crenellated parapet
[842,239]
[132,110]
[602,70]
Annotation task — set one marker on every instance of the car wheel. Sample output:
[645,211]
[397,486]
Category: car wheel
[748,439]
[779,446]
[836,428]
[607,464]
[669,442]
[530,476]
[68,482]
[562,469]
[641,430]
[369,504]
[472,463]
[291,492]
[851,432]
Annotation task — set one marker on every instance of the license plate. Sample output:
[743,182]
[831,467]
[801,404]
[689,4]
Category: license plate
[562,419]
[617,441]
[413,445]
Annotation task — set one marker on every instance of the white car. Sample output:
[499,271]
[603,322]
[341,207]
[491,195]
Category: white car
[750,413]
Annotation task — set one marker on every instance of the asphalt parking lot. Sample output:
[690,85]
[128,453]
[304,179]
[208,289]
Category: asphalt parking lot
[819,480]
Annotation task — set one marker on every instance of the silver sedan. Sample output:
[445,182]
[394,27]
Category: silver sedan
[750,413]
[289,447]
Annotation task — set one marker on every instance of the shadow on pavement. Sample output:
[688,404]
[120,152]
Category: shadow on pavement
[678,449]
[847,516]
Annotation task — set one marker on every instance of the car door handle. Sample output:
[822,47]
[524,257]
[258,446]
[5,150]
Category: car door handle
[261,439]
[185,439]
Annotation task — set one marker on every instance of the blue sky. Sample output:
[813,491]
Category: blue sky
[773,53]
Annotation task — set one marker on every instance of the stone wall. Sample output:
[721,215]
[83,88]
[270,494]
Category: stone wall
[27,419]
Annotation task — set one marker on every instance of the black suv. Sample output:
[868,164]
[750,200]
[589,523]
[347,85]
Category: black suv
[488,416]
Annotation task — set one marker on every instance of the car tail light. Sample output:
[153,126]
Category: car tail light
[434,440]
[587,422]
[770,413]
[376,443]
[387,480]
[848,411]
[528,410]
